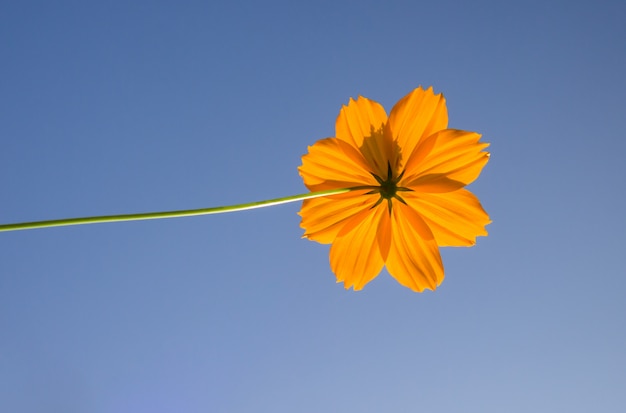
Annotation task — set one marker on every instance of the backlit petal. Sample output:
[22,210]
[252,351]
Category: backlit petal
[332,163]
[323,218]
[414,259]
[361,123]
[446,157]
[415,117]
[384,235]
[455,218]
[355,256]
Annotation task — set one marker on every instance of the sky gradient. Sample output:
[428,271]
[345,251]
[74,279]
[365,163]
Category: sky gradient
[122,107]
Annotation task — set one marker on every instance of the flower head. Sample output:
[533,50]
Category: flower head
[407,173]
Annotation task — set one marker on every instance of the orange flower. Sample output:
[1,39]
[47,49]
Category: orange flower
[408,172]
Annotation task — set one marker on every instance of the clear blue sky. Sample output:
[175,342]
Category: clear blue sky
[119,107]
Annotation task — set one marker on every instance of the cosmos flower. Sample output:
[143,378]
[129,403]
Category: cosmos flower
[407,173]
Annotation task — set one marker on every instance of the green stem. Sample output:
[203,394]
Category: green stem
[168,214]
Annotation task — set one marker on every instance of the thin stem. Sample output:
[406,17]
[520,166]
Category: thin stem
[168,214]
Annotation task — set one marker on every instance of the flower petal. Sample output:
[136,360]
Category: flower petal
[332,163]
[415,117]
[383,235]
[446,157]
[455,218]
[414,259]
[323,218]
[361,124]
[355,256]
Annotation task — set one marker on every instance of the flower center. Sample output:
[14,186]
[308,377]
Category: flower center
[388,188]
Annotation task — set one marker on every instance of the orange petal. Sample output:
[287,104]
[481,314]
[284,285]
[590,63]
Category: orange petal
[355,256]
[384,234]
[414,259]
[455,218]
[361,124]
[323,218]
[415,117]
[446,157]
[332,163]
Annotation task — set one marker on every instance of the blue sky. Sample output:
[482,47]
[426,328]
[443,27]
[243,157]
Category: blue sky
[119,107]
